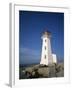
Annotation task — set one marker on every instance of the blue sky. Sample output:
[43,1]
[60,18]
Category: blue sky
[31,26]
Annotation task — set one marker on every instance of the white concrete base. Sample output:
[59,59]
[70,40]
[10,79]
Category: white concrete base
[54,58]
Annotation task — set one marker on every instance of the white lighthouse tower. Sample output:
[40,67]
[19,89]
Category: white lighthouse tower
[46,55]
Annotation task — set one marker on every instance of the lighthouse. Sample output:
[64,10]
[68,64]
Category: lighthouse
[46,54]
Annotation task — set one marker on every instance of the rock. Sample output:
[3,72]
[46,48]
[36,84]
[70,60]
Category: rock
[35,68]
[41,65]
[52,71]
[60,74]
[59,67]
[44,71]
[29,69]
[23,71]
[33,73]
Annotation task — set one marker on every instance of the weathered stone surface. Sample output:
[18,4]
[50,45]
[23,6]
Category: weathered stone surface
[44,71]
[60,74]
[41,71]
[29,69]
[52,71]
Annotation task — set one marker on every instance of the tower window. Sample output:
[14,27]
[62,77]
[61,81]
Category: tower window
[45,47]
[45,40]
[45,56]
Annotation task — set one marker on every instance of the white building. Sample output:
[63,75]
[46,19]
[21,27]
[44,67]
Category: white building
[54,58]
[46,56]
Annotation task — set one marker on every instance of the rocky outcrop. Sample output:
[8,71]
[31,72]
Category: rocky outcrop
[42,71]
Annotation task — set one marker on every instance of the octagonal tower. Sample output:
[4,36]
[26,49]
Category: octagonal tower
[46,54]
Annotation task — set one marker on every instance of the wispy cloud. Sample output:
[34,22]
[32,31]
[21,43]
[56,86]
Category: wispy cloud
[28,55]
